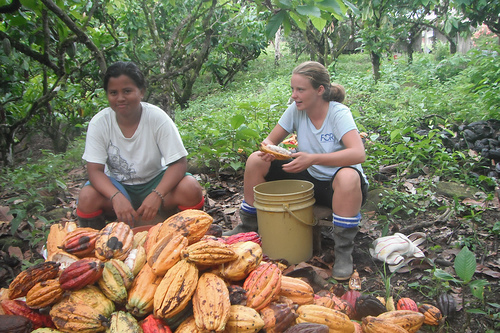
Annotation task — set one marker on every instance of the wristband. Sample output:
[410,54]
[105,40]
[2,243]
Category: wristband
[159,194]
[114,195]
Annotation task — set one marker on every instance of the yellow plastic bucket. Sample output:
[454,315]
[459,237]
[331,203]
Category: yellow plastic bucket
[285,219]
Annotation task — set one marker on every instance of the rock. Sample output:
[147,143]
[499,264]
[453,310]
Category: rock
[452,190]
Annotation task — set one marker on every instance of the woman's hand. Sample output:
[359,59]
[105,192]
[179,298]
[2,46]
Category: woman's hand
[124,210]
[300,162]
[150,207]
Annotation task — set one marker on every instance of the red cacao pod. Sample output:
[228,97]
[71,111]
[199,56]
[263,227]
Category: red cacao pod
[81,273]
[250,236]
[19,308]
[151,324]
[407,303]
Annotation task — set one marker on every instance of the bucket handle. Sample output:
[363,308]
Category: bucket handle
[285,207]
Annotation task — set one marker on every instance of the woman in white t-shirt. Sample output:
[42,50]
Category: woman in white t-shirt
[136,161]
[329,154]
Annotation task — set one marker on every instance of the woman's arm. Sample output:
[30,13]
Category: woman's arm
[121,206]
[353,153]
[172,176]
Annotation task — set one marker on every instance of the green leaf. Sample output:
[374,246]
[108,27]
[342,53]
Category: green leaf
[237,121]
[318,23]
[440,274]
[309,10]
[465,264]
[477,288]
[274,23]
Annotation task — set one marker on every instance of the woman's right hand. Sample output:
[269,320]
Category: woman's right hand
[124,210]
[265,156]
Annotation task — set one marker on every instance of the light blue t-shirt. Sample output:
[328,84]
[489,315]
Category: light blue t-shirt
[325,140]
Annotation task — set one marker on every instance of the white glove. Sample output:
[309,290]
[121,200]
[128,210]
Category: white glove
[398,250]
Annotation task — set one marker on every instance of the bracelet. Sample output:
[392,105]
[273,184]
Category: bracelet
[114,195]
[159,194]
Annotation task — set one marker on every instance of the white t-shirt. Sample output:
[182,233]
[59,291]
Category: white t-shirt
[136,160]
[327,139]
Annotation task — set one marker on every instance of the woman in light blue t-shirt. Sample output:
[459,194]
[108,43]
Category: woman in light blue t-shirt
[329,154]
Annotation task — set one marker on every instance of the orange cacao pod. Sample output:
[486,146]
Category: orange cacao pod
[82,273]
[141,296]
[432,314]
[166,253]
[115,240]
[325,301]
[376,325]
[208,252]
[299,291]
[44,294]
[175,289]
[407,319]
[25,280]
[80,242]
[262,285]
[211,303]
[191,223]
[56,237]
[337,321]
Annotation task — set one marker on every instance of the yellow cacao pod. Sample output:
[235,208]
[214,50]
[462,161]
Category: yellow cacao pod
[175,289]
[209,252]
[243,319]
[407,319]
[249,256]
[337,321]
[211,303]
[377,325]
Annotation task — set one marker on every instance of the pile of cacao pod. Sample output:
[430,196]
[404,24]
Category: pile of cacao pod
[180,277]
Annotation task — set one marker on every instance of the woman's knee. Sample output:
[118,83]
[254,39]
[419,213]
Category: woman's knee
[190,189]
[89,198]
[346,178]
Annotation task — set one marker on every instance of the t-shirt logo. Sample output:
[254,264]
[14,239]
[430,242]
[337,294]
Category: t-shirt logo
[328,137]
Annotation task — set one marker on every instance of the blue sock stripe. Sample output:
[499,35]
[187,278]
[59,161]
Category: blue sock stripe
[346,222]
[247,208]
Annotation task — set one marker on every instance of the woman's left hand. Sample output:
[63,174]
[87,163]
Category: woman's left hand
[300,162]
[150,207]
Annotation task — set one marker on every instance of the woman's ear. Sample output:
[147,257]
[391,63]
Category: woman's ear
[321,90]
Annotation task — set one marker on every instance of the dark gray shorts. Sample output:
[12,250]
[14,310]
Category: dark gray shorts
[323,192]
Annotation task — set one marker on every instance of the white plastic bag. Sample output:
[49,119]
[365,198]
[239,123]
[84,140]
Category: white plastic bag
[398,250]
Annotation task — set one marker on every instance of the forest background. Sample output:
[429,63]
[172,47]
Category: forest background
[221,70]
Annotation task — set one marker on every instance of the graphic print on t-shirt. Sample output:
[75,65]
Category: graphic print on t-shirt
[118,166]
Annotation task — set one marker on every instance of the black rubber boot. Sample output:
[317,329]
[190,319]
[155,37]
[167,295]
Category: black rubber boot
[344,244]
[248,223]
[97,222]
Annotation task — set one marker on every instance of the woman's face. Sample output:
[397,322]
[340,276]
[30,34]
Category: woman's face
[303,93]
[124,96]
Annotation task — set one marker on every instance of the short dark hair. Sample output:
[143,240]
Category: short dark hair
[127,68]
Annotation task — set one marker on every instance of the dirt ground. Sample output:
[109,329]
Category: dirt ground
[224,195]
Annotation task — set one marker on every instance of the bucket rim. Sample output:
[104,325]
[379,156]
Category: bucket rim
[276,182]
